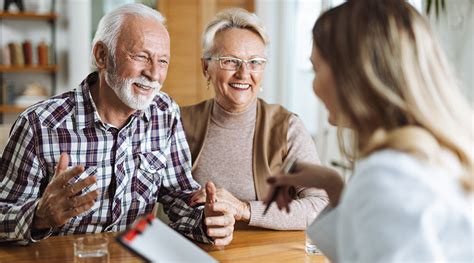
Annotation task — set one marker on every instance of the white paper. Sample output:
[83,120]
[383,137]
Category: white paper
[160,243]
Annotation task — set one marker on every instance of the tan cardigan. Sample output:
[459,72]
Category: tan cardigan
[269,145]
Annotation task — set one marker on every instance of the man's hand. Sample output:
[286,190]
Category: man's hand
[59,202]
[218,217]
[242,208]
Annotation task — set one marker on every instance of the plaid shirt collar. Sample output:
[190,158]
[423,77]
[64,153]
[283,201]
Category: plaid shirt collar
[86,110]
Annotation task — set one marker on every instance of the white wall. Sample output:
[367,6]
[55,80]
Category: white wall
[289,74]
[455,30]
[79,41]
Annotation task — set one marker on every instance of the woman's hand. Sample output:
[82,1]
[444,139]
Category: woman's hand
[222,195]
[219,217]
[305,175]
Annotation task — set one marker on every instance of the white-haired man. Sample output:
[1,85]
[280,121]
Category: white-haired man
[121,139]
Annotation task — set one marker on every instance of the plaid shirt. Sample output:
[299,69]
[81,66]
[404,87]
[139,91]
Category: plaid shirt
[145,162]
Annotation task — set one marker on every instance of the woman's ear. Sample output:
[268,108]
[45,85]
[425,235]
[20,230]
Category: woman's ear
[204,67]
[100,55]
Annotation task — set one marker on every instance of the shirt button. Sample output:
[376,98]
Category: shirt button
[153,167]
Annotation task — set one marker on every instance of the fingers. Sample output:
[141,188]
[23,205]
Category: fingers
[219,217]
[306,175]
[62,179]
[222,208]
[198,193]
[57,212]
[282,197]
[220,228]
[79,210]
[219,221]
[223,241]
[270,194]
[198,197]
[210,192]
[280,179]
[62,163]
[220,232]
[75,188]
[79,201]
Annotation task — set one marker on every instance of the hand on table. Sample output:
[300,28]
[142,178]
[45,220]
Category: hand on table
[59,202]
[218,217]
[242,209]
[305,175]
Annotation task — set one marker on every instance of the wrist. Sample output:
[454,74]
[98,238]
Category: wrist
[245,212]
[333,186]
[38,222]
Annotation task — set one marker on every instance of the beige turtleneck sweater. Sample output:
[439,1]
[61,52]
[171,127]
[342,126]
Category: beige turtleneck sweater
[226,159]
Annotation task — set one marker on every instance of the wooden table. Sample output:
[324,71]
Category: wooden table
[252,245]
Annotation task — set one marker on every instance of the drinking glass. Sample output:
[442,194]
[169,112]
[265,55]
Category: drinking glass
[310,246]
[91,249]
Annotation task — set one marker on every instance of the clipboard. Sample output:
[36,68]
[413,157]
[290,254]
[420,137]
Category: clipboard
[154,241]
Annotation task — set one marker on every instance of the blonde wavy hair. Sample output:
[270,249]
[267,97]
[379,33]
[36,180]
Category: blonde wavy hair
[393,82]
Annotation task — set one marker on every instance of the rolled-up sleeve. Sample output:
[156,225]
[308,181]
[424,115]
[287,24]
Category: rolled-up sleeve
[21,180]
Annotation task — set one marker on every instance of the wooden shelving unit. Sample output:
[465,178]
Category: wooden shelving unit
[11,109]
[29,69]
[50,19]
[28,16]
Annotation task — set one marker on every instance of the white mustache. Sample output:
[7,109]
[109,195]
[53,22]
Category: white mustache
[145,82]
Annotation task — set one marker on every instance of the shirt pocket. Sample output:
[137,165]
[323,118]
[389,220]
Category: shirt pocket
[148,179]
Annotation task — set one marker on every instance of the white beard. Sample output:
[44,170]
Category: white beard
[123,89]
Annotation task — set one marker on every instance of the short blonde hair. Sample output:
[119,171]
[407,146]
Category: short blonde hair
[231,18]
[390,74]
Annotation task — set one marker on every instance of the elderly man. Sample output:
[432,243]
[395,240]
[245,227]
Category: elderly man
[96,158]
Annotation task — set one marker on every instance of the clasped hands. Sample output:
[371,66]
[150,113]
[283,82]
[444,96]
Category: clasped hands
[221,210]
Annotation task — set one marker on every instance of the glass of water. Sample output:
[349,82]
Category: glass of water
[91,249]
[310,246]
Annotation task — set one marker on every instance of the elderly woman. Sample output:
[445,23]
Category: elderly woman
[238,141]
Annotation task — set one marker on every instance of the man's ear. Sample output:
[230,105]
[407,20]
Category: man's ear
[100,55]
[204,67]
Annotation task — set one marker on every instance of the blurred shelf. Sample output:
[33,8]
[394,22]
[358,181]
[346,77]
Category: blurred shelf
[11,109]
[28,15]
[29,69]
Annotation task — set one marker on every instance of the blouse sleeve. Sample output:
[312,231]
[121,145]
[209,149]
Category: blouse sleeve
[392,212]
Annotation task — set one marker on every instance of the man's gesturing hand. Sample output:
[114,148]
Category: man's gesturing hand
[219,217]
[59,202]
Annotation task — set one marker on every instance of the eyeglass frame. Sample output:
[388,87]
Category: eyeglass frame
[246,61]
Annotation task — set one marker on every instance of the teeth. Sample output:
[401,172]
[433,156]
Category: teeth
[239,86]
[142,86]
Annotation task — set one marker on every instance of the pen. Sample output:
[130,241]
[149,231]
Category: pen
[287,169]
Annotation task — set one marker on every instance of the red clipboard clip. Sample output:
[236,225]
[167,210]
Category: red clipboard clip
[139,227]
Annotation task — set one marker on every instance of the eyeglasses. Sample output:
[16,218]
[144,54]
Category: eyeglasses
[233,64]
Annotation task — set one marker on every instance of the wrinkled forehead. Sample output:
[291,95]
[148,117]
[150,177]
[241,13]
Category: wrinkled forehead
[235,41]
[139,26]
[143,32]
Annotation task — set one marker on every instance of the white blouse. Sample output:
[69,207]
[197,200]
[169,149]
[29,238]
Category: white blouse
[397,208]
